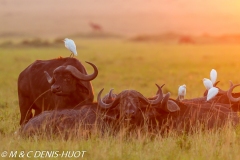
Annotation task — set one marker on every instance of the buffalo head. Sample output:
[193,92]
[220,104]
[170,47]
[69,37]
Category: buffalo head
[128,105]
[65,79]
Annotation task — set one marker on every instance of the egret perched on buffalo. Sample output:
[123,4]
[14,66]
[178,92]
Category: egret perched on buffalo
[213,75]
[212,92]
[181,92]
[207,83]
[70,45]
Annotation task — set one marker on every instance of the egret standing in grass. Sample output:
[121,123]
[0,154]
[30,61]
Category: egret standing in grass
[70,45]
[181,92]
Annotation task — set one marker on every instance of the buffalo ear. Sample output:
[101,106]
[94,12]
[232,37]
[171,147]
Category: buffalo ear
[172,106]
[168,105]
[49,78]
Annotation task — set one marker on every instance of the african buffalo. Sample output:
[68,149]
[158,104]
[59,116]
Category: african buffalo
[161,111]
[127,107]
[190,115]
[66,123]
[130,108]
[69,86]
[225,98]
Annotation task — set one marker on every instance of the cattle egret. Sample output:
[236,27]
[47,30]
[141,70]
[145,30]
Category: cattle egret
[70,45]
[212,92]
[207,83]
[181,92]
[213,75]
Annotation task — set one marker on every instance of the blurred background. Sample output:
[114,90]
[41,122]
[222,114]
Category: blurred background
[182,21]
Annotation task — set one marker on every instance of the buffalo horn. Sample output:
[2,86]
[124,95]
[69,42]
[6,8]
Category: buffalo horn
[49,78]
[102,104]
[110,95]
[169,105]
[216,83]
[160,96]
[225,92]
[76,73]
[229,94]
[159,90]
[156,100]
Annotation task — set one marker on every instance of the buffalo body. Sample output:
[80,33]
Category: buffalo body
[65,90]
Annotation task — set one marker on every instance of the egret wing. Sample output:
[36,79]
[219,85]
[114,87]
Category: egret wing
[213,75]
[212,92]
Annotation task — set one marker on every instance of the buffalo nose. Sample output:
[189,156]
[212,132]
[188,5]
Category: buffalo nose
[130,113]
[55,88]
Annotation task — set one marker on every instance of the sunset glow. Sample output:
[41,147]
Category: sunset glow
[128,18]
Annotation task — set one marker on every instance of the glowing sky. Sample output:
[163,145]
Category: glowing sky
[121,16]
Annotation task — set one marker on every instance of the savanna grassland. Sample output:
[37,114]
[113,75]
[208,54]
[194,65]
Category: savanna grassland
[123,65]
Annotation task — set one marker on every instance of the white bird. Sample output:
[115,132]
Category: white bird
[207,83]
[181,92]
[212,92]
[213,75]
[70,45]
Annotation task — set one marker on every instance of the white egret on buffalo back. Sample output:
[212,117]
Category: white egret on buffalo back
[181,92]
[70,45]
[213,75]
[207,83]
[212,92]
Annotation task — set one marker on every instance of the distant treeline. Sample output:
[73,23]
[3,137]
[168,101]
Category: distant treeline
[39,42]
[173,38]
[166,38]
[32,43]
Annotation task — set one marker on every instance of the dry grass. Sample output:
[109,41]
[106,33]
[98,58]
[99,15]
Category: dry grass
[127,65]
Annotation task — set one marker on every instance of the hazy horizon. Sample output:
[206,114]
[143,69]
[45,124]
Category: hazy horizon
[61,17]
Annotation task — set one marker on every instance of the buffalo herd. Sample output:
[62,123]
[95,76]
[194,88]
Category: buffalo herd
[56,98]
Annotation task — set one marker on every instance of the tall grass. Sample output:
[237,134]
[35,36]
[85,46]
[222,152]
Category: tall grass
[127,65]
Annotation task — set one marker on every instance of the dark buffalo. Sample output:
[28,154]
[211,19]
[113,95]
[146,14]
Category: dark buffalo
[131,108]
[225,98]
[161,112]
[234,98]
[69,86]
[127,107]
[221,97]
[190,115]
[66,123]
